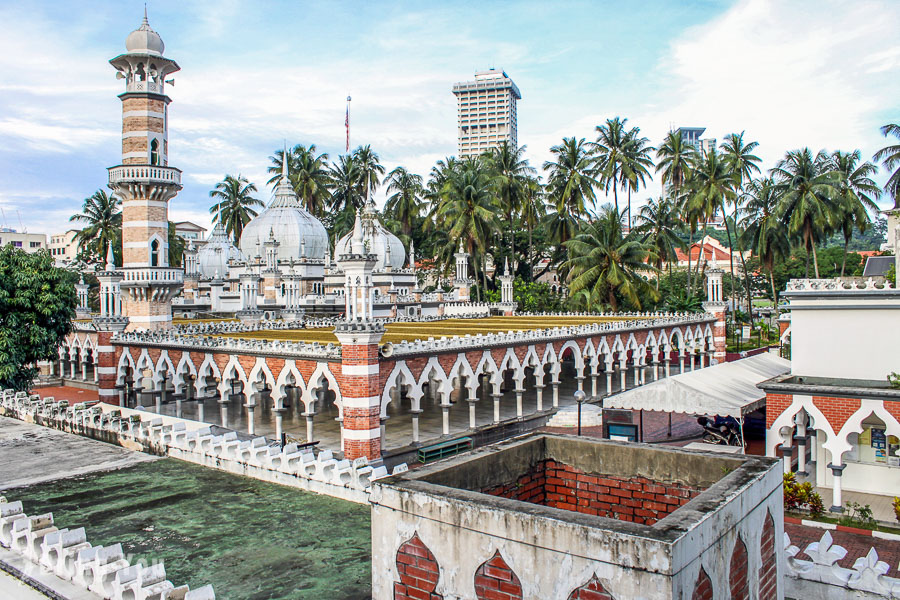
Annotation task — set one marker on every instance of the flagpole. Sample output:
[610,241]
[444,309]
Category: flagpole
[347,124]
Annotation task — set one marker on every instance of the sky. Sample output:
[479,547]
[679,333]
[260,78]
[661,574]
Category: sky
[254,74]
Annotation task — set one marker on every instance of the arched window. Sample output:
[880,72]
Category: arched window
[154,253]
[154,152]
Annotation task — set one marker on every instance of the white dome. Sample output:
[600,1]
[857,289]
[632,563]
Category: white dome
[378,239]
[144,40]
[298,233]
[213,257]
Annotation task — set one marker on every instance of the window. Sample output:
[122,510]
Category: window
[17,244]
[154,253]
[154,152]
[35,244]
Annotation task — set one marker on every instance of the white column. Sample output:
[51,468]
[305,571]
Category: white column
[519,403]
[539,392]
[445,419]
[496,408]
[472,402]
[837,501]
[555,385]
[415,425]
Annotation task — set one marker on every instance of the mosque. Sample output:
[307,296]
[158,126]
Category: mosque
[284,335]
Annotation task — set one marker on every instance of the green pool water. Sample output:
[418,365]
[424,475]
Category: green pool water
[252,540]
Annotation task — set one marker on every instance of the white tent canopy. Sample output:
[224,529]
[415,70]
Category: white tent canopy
[727,389]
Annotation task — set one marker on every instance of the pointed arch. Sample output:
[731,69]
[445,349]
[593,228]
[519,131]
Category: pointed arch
[487,365]
[125,360]
[185,367]
[233,370]
[461,368]
[323,372]
[400,373]
[261,371]
[434,366]
[163,361]
[289,369]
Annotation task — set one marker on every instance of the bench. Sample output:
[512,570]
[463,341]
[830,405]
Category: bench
[443,450]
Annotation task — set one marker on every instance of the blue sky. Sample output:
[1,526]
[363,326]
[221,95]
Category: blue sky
[816,73]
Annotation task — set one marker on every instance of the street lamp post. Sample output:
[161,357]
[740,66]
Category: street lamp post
[579,398]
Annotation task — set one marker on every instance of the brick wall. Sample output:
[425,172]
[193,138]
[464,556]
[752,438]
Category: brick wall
[419,572]
[592,590]
[775,405]
[703,588]
[635,499]
[737,572]
[768,572]
[494,580]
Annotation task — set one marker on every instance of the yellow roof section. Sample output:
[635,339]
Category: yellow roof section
[412,331]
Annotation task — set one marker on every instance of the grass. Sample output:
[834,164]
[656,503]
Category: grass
[842,521]
[398,332]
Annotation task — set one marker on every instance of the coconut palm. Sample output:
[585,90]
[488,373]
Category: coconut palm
[856,191]
[608,263]
[675,158]
[806,189]
[346,184]
[533,209]
[510,171]
[742,165]
[103,221]
[571,178]
[890,159]
[234,206]
[636,164]
[176,246]
[711,186]
[763,232]
[370,169]
[609,151]
[657,224]
[405,204]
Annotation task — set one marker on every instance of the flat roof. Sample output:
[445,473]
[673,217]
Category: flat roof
[422,330]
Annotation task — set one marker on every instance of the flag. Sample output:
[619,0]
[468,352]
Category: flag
[347,127]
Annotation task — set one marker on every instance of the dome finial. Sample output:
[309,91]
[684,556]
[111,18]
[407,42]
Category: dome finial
[145,22]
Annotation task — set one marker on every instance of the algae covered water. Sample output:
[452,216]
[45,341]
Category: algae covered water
[250,539]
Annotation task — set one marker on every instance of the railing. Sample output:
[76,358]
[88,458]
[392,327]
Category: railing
[835,285]
[144,174]
[145,86]
[152,275]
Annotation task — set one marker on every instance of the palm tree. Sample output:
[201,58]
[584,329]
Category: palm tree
[742,164]
[308,173]
[805,186]
[855,192]
[468,209]
[104,225]
[370,169]
[234,206]
[510,171]
[346,186]
[405,204]
[636,163]
[533,209]
[711,185]
[571,181]
[890,159]
[764,233]
[609,149]
[608,263]
[176,246]
[658,224]
[676,159]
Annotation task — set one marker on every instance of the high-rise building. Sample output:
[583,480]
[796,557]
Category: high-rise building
[487,112]
[691,135]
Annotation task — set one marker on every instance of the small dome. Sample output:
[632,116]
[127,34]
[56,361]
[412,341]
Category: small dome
[144,40]
[378,239]
[213,257]
[299,234]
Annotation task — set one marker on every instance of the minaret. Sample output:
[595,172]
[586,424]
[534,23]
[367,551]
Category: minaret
[715,305]
[506,286]
[145,182]
[462,281]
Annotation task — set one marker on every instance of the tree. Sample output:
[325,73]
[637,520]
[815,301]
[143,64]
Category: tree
[764,233]
[805,186]
[570,185]
[370,169]
[510,172]
[235,205]
[658,227]
[890,159]
[711,186]
[308,174]
[609,150]
[607,263]
[856,191]
[104,225]
[636,164]
[675,158]
[37,305]
[742,164]
[405,204]
[533,209]
[176,246]
[346,184]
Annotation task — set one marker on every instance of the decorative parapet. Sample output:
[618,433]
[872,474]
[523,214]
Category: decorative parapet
[197,342]
[821,576]
[836,285]
[193,441]
[102,570]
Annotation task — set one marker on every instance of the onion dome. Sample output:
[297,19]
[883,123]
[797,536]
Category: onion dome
[144,40]
[213,257]
[299,234]
[377,240]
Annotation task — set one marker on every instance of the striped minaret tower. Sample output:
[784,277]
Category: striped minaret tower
[145,182]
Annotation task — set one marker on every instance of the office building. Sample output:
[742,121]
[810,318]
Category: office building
[486,108]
